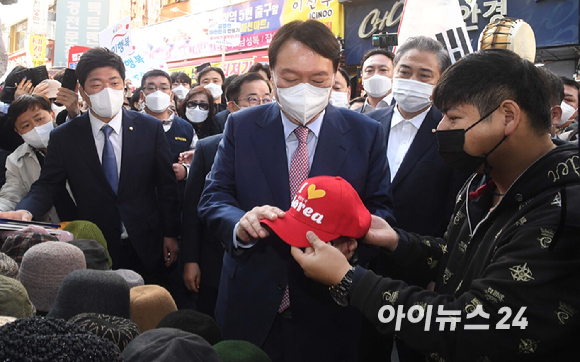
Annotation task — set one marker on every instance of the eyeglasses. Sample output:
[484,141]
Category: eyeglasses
[201,105]
[255,101]
[151,89]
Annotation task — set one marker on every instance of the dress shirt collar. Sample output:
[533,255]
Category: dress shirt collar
[313,126]
[383,103]
[416,121]
[96,124]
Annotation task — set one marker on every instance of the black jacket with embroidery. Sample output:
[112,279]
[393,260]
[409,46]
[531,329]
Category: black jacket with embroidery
[525,252]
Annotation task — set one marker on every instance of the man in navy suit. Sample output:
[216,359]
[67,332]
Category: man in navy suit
[421,181]
[377,74]
[264,297]
[118,166]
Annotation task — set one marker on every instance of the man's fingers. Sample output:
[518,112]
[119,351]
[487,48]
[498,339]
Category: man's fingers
[298,255]
[314,240]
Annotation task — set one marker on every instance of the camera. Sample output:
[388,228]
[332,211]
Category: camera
[385,40]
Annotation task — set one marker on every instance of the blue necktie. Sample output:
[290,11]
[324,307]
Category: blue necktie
[109,160]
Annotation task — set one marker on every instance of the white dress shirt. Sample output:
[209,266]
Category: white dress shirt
[401,137]
[383,103]
[116,138]
[291,146]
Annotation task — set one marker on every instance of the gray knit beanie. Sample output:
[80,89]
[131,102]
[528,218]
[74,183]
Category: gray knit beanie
[8,266]
[132,278]
[92,291]
[43,268]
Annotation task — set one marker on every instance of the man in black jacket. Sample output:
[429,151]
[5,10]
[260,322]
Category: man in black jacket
[506,273]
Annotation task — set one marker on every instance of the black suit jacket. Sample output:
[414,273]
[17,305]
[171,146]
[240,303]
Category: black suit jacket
[425,187]
[146,202]
[198,243]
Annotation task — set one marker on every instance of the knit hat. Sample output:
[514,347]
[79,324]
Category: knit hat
[149,304]
[132,278]
[118,330]
[18,243]
[8,266]
[240,351]
[43,268]
[41,339]
[5,320]
[193,322]
[87,230]
[95,255]
[14,301]
[91,291]
[169,344]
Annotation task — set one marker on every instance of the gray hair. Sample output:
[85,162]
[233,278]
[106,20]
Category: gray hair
[424,43]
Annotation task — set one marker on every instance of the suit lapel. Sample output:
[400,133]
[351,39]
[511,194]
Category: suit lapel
[270,147]
[332,147]
[424,140]
[88,150]
[130,143]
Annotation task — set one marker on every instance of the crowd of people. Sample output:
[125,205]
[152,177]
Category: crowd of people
[197,222]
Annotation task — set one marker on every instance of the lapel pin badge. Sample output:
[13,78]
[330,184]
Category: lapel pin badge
[433,130]
[130,128]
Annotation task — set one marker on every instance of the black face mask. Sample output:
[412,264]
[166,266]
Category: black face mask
[451,144]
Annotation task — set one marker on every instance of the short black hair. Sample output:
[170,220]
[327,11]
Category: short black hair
[59,75]
[206,70]
[355,100]
[180,77]
[344,73]
[227,84]
[155,73]
[374,51]
[554,85]
[260,67]
[311,33]
[98,58]
[24,103]
[488,77]
[236,86]
[135,98]
[424,43]
[571,82]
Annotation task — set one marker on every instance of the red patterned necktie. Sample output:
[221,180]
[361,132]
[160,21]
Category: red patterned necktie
[299,168]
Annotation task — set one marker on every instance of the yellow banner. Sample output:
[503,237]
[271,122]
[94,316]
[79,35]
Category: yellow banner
[328,12]
[37,49]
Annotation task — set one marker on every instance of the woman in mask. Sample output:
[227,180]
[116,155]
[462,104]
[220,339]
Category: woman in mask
[33,119]
[198,108]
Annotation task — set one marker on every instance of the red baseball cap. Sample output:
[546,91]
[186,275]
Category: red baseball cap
[329,207]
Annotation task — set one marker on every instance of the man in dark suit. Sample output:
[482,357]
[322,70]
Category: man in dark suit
[377,74]
[200,248]
[266,152]
[119,170]
[421,181]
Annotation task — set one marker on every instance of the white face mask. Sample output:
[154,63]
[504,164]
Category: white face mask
[339,99]
[303,101]
[196,115]
[180,92]
[157,101]
[39,136]
[107,103]
[567,113]
[56,109]
[214,89]
[411,95]
[377,85]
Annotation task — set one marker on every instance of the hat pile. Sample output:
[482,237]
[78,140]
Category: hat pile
[118,330]
[91,291]
[149,305]
[14,301]
[240,351]
[87,230]
[41,339]
[18,243]
[43,268]
[169,345]
[193,322]
[95,255]
[8,266]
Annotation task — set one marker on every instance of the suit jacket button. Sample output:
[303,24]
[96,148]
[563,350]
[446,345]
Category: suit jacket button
[280,287]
